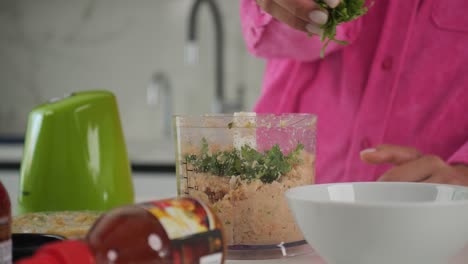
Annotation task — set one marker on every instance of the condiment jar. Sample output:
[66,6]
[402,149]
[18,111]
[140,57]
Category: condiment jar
[181,230]
[5,226]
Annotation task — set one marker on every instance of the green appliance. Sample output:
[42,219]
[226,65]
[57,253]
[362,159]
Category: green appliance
[75,156]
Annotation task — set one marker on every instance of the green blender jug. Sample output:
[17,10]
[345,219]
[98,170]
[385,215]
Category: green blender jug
[75,156]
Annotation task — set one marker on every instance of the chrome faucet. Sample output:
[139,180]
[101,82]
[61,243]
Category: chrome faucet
[159,91]
[219,104]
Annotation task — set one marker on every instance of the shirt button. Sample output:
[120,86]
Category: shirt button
[365,143]
[387,64]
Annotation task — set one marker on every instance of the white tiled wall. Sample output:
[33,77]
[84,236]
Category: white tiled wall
[52,47]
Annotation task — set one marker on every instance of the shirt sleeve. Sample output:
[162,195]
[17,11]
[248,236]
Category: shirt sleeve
[460,156]
[269,38]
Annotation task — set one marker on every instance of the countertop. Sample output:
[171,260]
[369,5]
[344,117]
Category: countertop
[11,152]
[303,259]
[139,152]
[149,187]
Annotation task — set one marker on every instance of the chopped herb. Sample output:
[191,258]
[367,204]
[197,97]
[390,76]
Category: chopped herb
[230,125]
[346,11]
[247,163]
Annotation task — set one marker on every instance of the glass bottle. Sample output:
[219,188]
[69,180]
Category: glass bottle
[179,231]
[5,226]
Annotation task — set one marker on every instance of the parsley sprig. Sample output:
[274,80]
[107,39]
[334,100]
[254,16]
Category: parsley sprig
[247,163]
[346,11]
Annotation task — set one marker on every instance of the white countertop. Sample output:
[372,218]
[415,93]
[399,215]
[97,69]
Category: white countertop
[157,152]
[141,152]
[303,259]
[149,186]
[11,153]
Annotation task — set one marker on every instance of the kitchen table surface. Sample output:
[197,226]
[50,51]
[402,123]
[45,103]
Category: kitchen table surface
[157,152]
[302,259]
[149,186]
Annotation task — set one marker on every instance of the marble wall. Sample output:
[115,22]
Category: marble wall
[52,47]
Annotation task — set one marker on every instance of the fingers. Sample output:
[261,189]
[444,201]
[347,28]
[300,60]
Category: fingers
[287,17]
[436,179]
[419,170]
[303,15]
[332,3]
[447,175]
[412,166]
[390,154]
[306,10]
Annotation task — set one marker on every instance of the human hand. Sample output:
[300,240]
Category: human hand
[304,15]
[410,165]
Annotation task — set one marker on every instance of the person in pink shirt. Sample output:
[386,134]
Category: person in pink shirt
[392,105]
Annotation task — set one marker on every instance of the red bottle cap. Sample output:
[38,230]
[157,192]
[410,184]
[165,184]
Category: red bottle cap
[65,252]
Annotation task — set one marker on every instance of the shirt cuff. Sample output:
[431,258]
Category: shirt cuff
[460,156]
[254,15]
[254,21]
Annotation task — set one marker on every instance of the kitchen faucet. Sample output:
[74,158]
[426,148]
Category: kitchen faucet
[159,91]
[219,104]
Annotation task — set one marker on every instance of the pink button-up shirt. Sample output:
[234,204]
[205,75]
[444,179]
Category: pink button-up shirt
[403,79]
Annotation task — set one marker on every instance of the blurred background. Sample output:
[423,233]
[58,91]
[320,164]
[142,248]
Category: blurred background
[136,49]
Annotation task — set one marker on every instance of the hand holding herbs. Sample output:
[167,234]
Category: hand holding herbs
[346,11]
[298,13]
[318,17]
[247,163]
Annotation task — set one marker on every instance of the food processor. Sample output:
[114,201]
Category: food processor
[241,165]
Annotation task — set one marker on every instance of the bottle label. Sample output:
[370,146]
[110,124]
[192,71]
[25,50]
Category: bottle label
[194,233]
[212,259]
[182,217]
[5,252]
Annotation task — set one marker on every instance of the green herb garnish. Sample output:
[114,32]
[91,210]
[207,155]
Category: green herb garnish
[247,163]
[346,11]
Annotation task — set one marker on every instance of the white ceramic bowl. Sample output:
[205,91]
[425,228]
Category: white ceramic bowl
[383,223]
